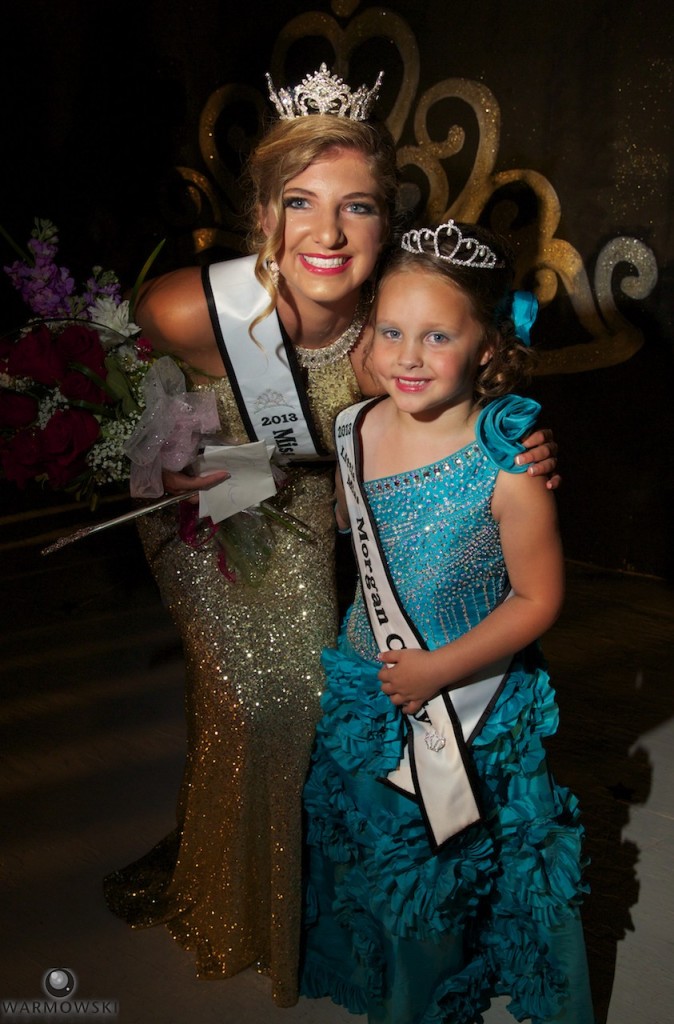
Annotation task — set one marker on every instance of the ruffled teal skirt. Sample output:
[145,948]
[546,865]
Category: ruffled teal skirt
[406,937]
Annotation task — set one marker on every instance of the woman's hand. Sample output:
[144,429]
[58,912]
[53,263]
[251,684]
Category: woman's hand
[341,510]
[409,678]
[183,482]
[541,457]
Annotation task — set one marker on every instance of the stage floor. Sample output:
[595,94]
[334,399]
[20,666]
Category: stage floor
[92,744]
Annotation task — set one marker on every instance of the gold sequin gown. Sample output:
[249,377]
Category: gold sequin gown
[227,883]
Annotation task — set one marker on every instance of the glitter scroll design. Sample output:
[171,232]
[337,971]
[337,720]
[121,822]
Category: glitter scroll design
[544,261]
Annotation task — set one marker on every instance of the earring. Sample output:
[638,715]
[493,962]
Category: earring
[274,271]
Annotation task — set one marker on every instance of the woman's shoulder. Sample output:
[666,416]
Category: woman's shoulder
[172,312]
[500,427]
[171,295]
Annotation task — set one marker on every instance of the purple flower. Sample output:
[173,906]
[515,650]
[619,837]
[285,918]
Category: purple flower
[45,288]
[43,250]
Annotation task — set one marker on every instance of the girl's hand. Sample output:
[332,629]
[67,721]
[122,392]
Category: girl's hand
[409,678]
[182,482]
[541,457]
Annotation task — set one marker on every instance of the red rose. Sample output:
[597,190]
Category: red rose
[144,350]
[16,409]
[66,439]
[35,355]
[22,457]
[76,385]
[77,344]
[6,346]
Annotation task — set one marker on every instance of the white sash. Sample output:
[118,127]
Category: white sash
[436,766]
[265,377]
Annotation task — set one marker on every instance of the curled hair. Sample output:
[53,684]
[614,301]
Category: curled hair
[286,150]
[488,291]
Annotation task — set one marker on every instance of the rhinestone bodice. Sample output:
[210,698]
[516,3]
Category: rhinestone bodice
[442,546]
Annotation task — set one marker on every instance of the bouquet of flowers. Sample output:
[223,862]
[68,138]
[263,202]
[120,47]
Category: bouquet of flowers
[71,379]
[80,410]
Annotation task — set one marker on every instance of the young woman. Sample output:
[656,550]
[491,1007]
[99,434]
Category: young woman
[276,334]
[445,862]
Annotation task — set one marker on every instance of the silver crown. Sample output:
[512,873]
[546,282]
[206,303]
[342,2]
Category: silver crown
[465,251]
[323,93]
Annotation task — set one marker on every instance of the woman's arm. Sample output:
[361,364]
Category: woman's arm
[172,313]
[533,554]
[341,510]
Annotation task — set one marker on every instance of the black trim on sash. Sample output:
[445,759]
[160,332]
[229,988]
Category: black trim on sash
[468,763]
[222,348]
[293,363]
[404,792]
[479,725]
[471,774]
[358,469]
[299,377]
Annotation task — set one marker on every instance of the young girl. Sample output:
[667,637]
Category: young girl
[445,863]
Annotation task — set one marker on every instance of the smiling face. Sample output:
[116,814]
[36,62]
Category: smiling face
[427,344]
[334,226]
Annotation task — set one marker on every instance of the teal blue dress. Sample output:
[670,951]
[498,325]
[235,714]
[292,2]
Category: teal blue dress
[391,929]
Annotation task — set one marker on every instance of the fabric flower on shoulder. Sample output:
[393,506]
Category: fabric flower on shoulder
[500,426]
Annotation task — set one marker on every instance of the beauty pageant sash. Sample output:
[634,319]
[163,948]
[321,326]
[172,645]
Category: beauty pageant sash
[265,377]
[436,767]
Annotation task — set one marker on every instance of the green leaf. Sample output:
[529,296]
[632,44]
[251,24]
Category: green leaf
[116,384]
[88,372]
[141,277]
[23,256]
[118,387]
[103,411]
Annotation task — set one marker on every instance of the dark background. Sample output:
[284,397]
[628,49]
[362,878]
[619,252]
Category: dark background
[102,102]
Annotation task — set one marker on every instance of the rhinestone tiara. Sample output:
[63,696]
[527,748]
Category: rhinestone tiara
[323,93]
[465,251]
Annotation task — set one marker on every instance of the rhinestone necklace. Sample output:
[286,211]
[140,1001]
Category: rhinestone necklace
[314,358]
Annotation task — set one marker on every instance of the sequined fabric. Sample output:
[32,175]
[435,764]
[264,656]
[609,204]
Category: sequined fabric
[253,680]
[448,566]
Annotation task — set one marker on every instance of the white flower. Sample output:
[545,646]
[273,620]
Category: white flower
[112,320]
[106,458]
[14,383]
[48,405]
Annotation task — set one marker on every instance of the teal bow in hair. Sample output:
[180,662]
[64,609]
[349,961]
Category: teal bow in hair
[523,315]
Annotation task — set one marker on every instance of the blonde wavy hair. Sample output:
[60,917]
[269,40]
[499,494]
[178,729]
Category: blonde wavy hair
[286,150]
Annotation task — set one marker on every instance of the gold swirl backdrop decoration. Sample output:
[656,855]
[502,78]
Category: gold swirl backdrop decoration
[542,257]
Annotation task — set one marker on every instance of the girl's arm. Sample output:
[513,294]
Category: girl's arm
[525,510]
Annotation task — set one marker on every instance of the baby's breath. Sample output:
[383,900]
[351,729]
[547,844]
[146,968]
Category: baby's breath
[107,461]
[16,383]
[48,405]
